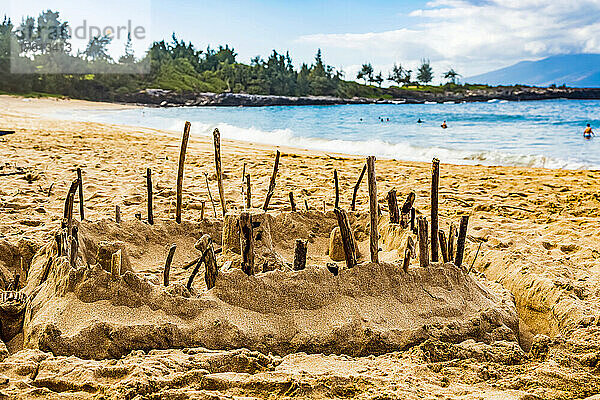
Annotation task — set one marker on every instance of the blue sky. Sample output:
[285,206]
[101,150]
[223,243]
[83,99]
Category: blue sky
[473,36]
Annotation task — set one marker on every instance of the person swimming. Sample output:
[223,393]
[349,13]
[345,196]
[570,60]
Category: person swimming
[588,132]
[444,125]
[419,121]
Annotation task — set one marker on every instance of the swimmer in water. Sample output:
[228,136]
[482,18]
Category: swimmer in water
[444,126]
[419,121]
[588,132]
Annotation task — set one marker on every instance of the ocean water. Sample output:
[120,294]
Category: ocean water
[535,133]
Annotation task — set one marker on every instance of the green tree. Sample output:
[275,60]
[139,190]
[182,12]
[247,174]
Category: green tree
[378,79]
[366,73]
[451,76]
[128,57]
[400,75]
[425,72]
[97,48]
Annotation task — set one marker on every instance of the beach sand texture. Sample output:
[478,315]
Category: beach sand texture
[536,230]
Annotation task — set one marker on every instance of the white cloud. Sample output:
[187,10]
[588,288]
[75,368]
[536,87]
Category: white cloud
[478,35]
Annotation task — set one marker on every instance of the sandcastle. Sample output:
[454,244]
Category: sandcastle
[101,289]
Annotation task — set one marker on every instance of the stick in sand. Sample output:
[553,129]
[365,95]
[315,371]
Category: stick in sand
[117,214]
[81,212]
[247,243]
[149,188]
[462,236]
[435,183]
[406,213]
[408,253]
[217,141]
[300,255]
[248,192]
[347,237]
[443,246]
[355,192]
[451,238]
[475,259]
[292,202]
[337,189]
[115,265]
[202,211]
[423,245]
[374,234]
[243,184]
[210,195]
[184,142]
[393,207]
[272,182]
[168,262]
[306,204]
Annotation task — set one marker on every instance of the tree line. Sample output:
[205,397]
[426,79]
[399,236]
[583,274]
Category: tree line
[403,76]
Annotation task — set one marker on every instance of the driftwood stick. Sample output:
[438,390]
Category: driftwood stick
[292,202]
[196,269]
[443,246]
[406,212]
[306,204]
[300,255]
[210,195]
[243,184]
[324,208]
[58,238]
[211,269]
[80,179]
[149,189]
[68,209]
[393,206]
[408,253]
[202,210]
[412,220]
[117,214]
[355,191]
[374,233]
[115,265]
[73,251]
[247,243]
[347,237]
[272,182]
[451,239]
[475,259]
[248,192]
[423,245]
[435,183]
[168,263]
[184,142]
[337,189]
[462,236]
[217,141]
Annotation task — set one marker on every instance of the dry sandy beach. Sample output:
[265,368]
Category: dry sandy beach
[536,231]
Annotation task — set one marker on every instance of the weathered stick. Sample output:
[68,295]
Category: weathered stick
[80,179]
[475,259]
[435,183]
[248,192]
[324,208]
[423,245]
[451,238]
[202,211]
[168,263]
[393,206]
[337,189]
[73,251]
[210,263]
[210,195]
[306,204]
[374,234]
[292,202]
[117,214]
[149,188]
[184,142]
[355,191]
[115,265]
[272,182]
[406,213]
[462,236]
[408,253]
[217,141]
[196,269]
[347,237]
[443,246]
[300,255]
[412,220]
[247,243]
[243,184]
[68,209]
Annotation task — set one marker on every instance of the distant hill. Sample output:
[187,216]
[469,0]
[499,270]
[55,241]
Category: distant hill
[575,70]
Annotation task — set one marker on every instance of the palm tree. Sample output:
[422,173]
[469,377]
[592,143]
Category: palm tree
[451,76]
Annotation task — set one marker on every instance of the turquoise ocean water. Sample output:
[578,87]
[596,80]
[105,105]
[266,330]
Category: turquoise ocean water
[535,133]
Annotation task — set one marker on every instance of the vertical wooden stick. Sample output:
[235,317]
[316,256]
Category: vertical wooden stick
[247,243]
[412,220]
[168,262]
[149,188]
[117,214]
[184,142]
[292,202]
[306,204]
[462,236]
[347,237]
[73,251]
[337,189]
[451,238]
[435,183]
[272,182]
[393,206]
[248,192]
[115,266]
[423,245]
[355,191]
[68,209]
[443,246]
[406,212]
[80,179]
[374,234]
[324,207]
[408,253]
[217,141]
[243,184]
[300,255]
[202,211]
[210,195]
[209,260]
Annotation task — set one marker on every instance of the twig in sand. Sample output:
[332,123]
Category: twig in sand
[517,208]
[476,254]
[354,193]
